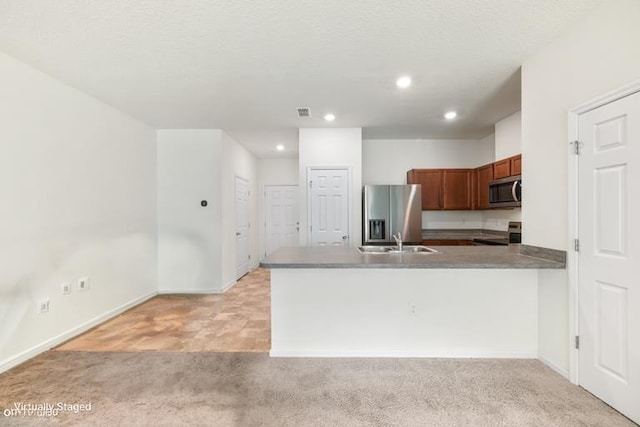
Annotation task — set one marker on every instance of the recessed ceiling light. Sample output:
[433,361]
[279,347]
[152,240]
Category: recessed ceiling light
[450,115]
[403,82]
[329,117]
[280,147]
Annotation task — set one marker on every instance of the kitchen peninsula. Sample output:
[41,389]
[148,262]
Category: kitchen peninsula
[460,302]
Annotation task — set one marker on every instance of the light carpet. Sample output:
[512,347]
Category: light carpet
[251,389]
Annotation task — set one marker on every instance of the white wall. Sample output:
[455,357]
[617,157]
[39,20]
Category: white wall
[189,235]
[332,147]
[77,180]
[433,220]
[404,312]
[237,161]
[278,172]
[273,172]
[553,325]
[595,56]
[498,219]
[387,161]
[508,136]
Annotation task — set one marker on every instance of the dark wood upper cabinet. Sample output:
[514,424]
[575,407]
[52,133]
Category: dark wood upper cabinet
[502,169]
[431,182]
[507,167]
[461,189]
[457,189]
[483,175]
[516,164]
[448,189]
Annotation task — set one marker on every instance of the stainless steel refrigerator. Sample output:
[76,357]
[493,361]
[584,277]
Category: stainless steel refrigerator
[391,209]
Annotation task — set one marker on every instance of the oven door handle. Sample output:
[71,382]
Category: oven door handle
[513,190]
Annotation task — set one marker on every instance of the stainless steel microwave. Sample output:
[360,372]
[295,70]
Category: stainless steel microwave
[506,192]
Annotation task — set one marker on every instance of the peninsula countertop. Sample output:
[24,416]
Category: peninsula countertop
[447,257]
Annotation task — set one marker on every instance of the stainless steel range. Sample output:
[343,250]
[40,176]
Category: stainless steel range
[514,236]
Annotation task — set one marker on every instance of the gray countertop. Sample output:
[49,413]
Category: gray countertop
[448,257]
[462,234]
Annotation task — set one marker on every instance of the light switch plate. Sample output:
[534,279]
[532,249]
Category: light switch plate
[83,284]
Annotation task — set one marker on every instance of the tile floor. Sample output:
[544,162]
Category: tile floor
[238,320]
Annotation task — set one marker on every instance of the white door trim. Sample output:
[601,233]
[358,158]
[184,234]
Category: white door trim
[572,176]
[349,196]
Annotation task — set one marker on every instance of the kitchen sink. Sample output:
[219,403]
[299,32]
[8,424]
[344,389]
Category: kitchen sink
[406,249]
[374,249]
[411,249]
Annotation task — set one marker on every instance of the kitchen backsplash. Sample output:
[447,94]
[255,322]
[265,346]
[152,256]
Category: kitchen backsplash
[488,220]
[499,219]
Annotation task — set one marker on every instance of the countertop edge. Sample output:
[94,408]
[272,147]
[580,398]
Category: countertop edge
[485,266]
[448,257]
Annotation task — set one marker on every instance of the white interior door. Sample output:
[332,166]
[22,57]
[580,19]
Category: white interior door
[609,289]
[282,224]
[329,206]
[242,227]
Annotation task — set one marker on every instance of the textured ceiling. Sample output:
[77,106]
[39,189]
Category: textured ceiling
[244,66]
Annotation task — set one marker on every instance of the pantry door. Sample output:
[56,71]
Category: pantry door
[282,225]
[329,207]
[608,210]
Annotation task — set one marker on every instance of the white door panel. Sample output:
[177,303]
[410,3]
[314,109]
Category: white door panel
[281,216]
[609,291]
[329,213]
[242,227]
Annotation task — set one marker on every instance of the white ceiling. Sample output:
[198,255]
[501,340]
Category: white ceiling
[245,65]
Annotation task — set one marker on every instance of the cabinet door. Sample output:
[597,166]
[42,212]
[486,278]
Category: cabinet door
[484,175]
[460,242]
[457,189]
[431,182]
[432,242]
[516,164]
[448,242]
[502,169]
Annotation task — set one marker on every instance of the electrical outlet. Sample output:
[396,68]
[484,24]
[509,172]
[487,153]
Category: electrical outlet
[83,284]
[43,306]
[66,288]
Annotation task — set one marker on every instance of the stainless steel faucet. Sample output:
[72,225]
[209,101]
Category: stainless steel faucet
[398,240]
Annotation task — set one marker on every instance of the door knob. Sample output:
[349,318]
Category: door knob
[344,237]
[237,233]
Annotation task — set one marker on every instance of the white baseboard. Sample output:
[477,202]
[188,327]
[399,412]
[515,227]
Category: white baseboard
[404,354]
[228,286]
[188,291]
[554,366]
[5,365]
[224,289]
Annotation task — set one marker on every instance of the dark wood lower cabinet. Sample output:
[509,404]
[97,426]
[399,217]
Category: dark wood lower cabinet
[447,242]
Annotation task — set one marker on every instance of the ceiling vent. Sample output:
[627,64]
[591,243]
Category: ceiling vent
[304,112]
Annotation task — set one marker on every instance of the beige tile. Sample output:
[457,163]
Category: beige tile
[238,320]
